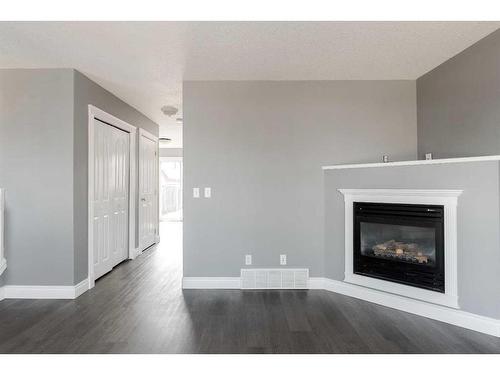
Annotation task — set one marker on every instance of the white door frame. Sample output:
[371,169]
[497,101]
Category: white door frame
[154,138]
[96,113]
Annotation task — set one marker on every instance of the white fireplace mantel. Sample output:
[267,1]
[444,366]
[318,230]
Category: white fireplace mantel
[471,159]
[447,198]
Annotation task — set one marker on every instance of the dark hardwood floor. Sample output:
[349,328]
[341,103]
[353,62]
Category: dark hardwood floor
[140,308]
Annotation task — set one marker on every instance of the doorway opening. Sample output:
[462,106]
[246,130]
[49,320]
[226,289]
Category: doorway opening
[170,214]
[171,189]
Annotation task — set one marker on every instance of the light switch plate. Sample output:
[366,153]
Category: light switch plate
[196,192]
[283,259]
[248,260]
[208,192]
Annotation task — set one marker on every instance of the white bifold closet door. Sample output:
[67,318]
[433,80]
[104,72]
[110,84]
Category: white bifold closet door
[148,189]
[111,197]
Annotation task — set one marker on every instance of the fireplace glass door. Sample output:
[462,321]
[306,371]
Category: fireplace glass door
[402,243]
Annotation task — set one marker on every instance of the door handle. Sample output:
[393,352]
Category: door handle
[143,199]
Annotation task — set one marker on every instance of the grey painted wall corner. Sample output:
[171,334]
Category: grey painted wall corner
[88,92]
[261,145]
[45,111]
[457,103]
[36,114]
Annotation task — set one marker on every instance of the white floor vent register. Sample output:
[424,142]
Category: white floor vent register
[274,278]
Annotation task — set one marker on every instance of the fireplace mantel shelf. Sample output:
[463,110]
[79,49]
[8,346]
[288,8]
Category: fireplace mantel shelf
[414,162]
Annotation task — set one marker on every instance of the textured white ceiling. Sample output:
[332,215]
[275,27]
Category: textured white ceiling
[144,63]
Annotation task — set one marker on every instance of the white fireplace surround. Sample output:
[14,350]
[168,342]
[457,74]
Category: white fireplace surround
[447,198]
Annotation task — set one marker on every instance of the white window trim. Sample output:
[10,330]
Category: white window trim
[96,113]
[447,198]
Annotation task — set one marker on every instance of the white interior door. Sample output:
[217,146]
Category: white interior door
[111,192]
[148,189]
[121,170]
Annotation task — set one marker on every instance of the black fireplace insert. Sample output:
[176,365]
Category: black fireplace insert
[402,243]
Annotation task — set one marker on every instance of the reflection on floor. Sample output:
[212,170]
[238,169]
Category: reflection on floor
[140,308]
[171,246]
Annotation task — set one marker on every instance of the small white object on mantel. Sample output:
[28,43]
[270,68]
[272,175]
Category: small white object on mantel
[414,162]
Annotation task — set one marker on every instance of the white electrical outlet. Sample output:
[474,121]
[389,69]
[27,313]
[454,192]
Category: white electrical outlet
[283,259]
[248,260]
[196,192]
[208,192]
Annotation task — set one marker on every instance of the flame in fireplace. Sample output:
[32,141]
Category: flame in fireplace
[410,252]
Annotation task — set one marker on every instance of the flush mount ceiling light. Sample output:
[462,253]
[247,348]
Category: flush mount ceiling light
[169,110]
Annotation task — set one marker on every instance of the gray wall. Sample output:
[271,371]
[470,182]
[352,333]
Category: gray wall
[88,92]
[45,111]
[261,145]
[36,169]
[458,103]
[478,221]
[174,152]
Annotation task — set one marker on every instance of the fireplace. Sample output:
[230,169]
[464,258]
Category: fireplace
[402,243]
[410,243]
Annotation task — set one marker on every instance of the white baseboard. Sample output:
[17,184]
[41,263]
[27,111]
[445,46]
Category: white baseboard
[317,283]
[141,248]
[134,253]
[81,288]
[449,315]
[45,291]
[453,316]
[459,318]
[211,283]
